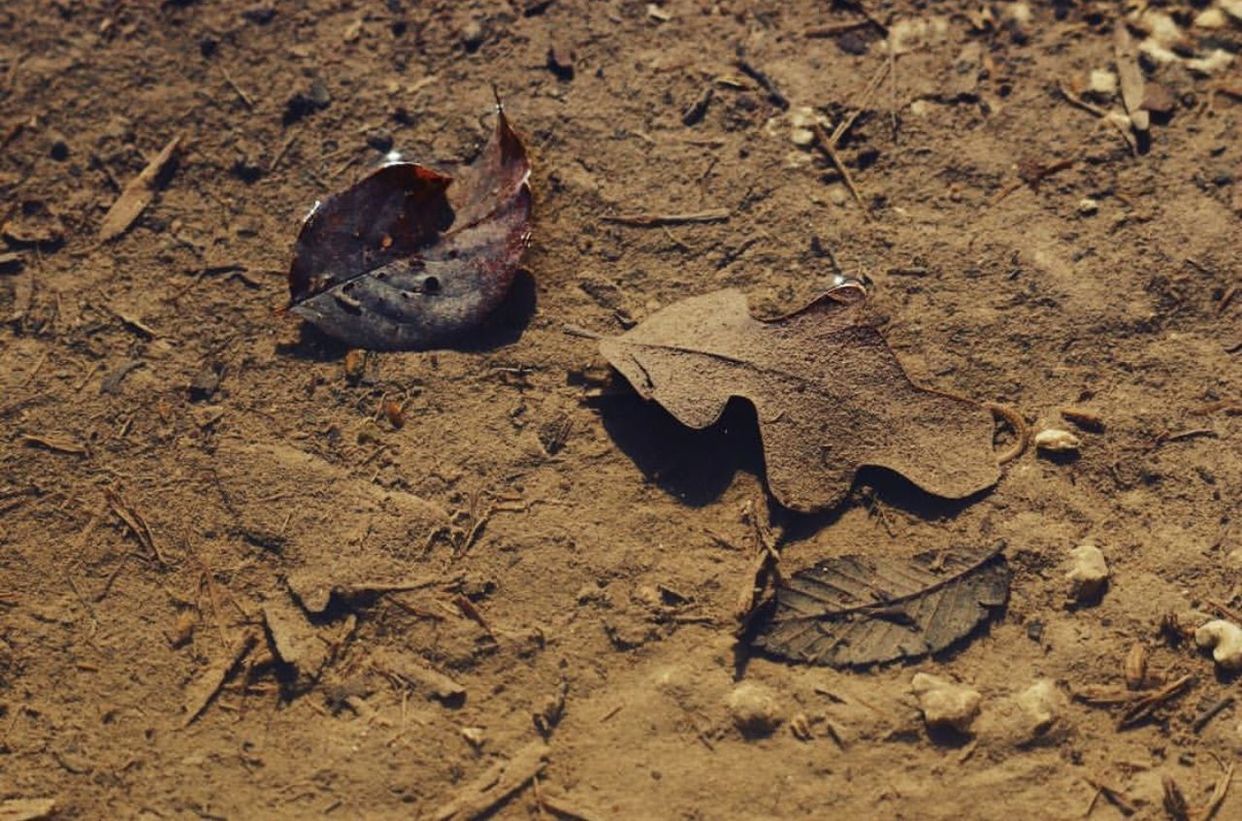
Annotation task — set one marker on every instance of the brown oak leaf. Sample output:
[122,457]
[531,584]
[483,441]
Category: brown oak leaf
[829,394]
[408,257]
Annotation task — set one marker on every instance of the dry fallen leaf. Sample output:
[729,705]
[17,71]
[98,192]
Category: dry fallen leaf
[409,257]
[854,611]
[829,393]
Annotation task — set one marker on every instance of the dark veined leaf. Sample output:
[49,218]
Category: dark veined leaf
[855,611]
[409,258]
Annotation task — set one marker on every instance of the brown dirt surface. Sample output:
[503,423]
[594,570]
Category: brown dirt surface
[248,574]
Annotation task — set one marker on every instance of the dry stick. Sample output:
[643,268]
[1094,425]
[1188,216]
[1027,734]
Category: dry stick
[1218,794]
[1075,100]
[1211,712]
[833,29]
[825,144]
[245,98]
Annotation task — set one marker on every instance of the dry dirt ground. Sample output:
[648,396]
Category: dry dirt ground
[198,493]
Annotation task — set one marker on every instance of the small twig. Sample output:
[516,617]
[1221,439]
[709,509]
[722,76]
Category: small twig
[658,220]
[1145,706]
[280,155]
[245,98]
[774,94]
[859,107]
[833,29]
[1114,796]
[1191,434]
[1211,712]
[1226,611]
[1218,794]
[825,144]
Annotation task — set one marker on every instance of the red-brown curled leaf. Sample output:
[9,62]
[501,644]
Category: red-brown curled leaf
[408,257]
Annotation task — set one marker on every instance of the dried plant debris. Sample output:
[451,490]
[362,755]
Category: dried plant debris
[409,258]
[855,611]
[830,395]
[138,193]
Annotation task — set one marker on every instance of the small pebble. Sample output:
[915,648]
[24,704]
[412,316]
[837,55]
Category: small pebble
[755,709]
[1042,706]
[1102,82]
[1088,207]
[381,141]
[1055,440]
[946,704]
[59,150]
[1213,18]
[1224,639]
[472,36]
[1088,575]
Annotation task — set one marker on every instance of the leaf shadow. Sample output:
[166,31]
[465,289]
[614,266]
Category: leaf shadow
[695,466]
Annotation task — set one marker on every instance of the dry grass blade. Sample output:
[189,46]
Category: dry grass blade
[135,522]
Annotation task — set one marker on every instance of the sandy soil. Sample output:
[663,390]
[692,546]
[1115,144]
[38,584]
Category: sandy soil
[186,477]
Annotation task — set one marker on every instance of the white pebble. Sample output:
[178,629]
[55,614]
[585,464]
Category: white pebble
[755,709]
[1217,61]
[1088,207]
[1055,440]
[1102,82]
[945,703]
[1089,573]
[1213,18]
[1224,638]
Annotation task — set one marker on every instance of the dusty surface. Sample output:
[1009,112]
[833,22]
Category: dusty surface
[605,564]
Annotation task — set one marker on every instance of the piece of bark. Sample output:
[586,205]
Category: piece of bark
[497,784]
[424,678]
[137,194]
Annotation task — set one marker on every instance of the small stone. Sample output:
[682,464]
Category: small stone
[472,36]
[1037,713]
[1042,706]
[1102,82]
[474,736]
[802,137]
[303,104]
[946,704]
[59,149]
[319,94]
[204,384]
[1213,18]
[755,709]
[560,62]
[380,140]
[1055,440]
[1224,638]
[1088,575]
[260,14]
[247,170]
[1088,207]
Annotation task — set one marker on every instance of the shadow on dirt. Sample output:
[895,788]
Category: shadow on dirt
[696,466]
